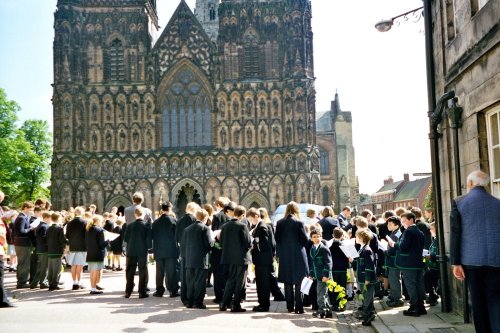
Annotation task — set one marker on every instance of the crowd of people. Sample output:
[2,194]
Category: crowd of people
[230,246]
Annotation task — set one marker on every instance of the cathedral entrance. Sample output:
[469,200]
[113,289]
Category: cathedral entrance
[186,194]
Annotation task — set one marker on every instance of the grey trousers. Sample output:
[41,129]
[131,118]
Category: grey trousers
[322,297]
[414,282]
[368,295]
[395,284]
[23,264]
[42,270]
[54,271]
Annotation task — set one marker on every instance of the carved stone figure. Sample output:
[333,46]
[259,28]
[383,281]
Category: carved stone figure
[108,111]
[249,137]
[135,110]
[120,105]
[149,109]
[237,137]
[276,134]
[262,104]
[223,136]
[222,108]
[163,167]
[122,139]
[135,138]
[94,140]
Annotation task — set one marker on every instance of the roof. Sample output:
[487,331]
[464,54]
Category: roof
[390,187]
[411,190]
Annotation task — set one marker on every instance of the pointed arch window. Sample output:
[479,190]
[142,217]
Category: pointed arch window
[212,13]
[324,162]
[116,61]
[251,55]
[186,112]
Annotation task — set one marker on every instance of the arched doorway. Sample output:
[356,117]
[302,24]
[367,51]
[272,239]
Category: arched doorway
[186,194]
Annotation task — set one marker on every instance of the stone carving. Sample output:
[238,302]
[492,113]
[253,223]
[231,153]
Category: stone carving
[120,105]
[249,137]
[135,109]
[222,108]
[223,136]
[108,111]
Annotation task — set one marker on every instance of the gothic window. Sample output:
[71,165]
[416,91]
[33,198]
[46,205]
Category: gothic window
[186,112]
[116,61]
[325,196]
[251,59]
[212,13]
[324,162]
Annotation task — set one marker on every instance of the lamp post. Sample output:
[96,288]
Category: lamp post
[435,117]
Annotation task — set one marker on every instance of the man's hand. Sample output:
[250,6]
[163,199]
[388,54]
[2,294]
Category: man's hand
[324,279]
[458,272]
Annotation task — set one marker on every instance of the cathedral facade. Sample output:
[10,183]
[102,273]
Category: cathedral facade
[222,103]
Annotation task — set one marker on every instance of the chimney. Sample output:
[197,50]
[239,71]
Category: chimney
[406,177]
[388,181]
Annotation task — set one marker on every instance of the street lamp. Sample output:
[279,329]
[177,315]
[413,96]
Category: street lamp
[435,111]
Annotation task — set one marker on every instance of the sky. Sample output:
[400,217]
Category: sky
[380,77]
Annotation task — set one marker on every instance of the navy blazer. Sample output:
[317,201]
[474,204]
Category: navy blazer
[75,233]
[55,241]
[235,241]
[321,259]
[263,249]
[138,239]
[366,265]
[182,224]
[340,263]
[41,238]
[409,249]
[475,229]
[328,224]
[95,244]
[164,243]
[197,242]
[22,229]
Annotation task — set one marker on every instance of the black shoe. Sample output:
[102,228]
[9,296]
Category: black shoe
[60,283]
[75,287]
[299,311]
[368,320]
[147,289]
[43,286]
[143,295]
[174,294]
[23,286]
[189,306]
[422,310]
[98,287]
[127,295]
[200,306]
[395,304]
[350,298]
[216,301]
[55,288]
[315,314]
[329,315]
[279,298]
[33,286]
[411,313]
[259,308]
[238,309]
[157,294]
[291,310]
[7,305]
[222,307]
[96,292]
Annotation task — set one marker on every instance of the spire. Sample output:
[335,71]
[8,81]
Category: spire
[336,102]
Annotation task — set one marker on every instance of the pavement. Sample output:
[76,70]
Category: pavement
[392,320]
[71,311]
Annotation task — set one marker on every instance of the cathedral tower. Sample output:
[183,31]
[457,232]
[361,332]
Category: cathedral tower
[206,12]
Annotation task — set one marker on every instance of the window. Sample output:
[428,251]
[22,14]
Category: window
[186,113]
[326,198]
[324,162]
[212,14]
[493,132]
[116,61]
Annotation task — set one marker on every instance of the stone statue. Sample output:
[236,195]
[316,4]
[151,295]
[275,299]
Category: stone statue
[300,129]
[130,168]
[108,111]
[149,138]
[275,106]
[94,140]
[249,107]
[262,107]
[135,137]
[236,108]
[140,167]
[223,136]
[122,139]
[249,137]
[276,134]
[94,112]
[263,135]
[135,109]
[163,167]
[289,132]
[121,110]
[237,137]
[222,108]
[108,140]
[149,109]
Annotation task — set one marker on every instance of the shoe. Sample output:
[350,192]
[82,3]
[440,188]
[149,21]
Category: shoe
[119,269]
[200,306]
[359,315]
[157,294]
[143,295]
[238,309]
[433,303]
[291,310]
[33,286]
[127,295]
[411,313]
[12,269]
[329,315]
[75,287]
[43,286]
[299,311]
[7,305]
[395,304]
[147,289]
[368,320]
[279,298]
[350,298]
[259,308]
[22,286]
[422,310]
[174,294]
[189,306]
[96,292]
[216,301]
[222,307]
[98,287]
[55,288]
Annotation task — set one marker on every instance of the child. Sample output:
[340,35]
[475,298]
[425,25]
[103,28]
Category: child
[340,265]
[320,271]
[393,273]
[55,248]
[41,249]
[117,244]
[366,275]
[431,276]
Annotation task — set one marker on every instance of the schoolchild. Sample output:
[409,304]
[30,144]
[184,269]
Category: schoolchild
[431,276]
[55,250]
[321,260]
[340,265]
[366,275]
[393,273]
[42,250]
[117,245]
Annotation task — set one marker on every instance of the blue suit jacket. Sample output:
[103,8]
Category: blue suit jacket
[475,229]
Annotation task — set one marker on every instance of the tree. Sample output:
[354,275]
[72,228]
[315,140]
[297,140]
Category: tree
[26,153]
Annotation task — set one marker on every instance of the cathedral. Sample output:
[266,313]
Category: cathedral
[221,103]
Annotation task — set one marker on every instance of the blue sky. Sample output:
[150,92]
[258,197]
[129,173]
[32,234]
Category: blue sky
[380,77]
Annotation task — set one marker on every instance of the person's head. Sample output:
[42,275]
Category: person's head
[37,211]
[114,210]
[387,214]
[363,236]
[55,218]
[87,215]
[120,220]
[46,216]
[220,203]
[264,215]
[2,196]
[239,212]
[202,216]
[346,211]
[393,223]
[399,211]
[79,211]
[92,208]
[316,226]
[418,213]
[315,235]
[428,214]
[166,207]
[408,219]
[361,223]
[137,198]
[367,214]
[95,221]
[432,228]
[292,209]
[27,207]
[229,209]
[327,211]
[311,213]
[338,233]
[106,216]
[477,178]
[40,203]
[253,215]
[192,207]
[209,208]
[48,205]
[139,213]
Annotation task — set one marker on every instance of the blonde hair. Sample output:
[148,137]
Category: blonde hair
[96,221]
[192,208]
[327,211]
[264,215]
[292,209]
[201,215]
